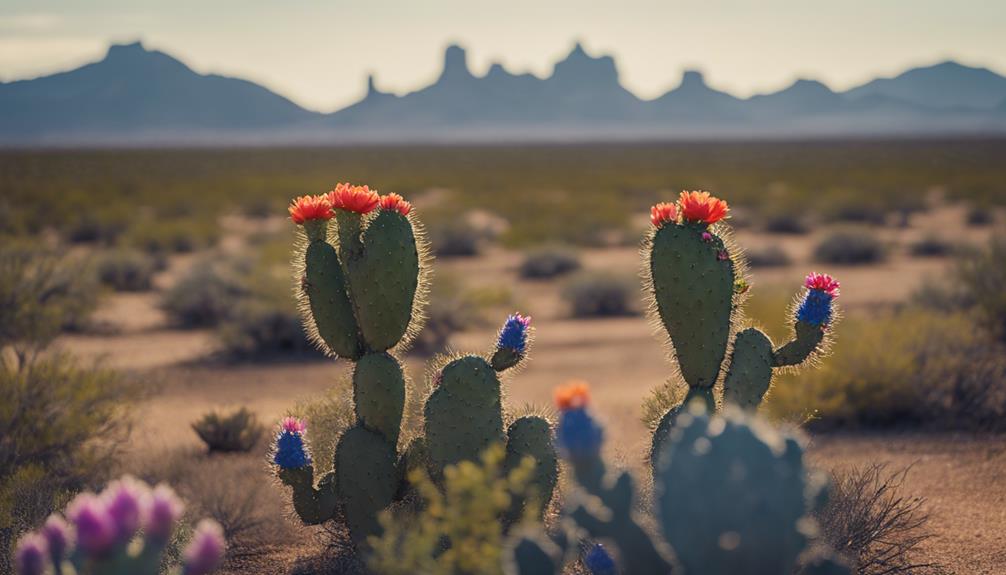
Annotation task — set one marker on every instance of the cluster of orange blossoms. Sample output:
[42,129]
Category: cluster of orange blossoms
[698,207]
[359,199]
[573,395]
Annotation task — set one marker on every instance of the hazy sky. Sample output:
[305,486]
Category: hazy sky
[317,53]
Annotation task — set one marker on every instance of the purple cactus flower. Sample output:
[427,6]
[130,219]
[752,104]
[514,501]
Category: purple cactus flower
[59,535]
[514,333]
[707,237]
[127,501]
[165,509]
[206,550]
[96,529]
[31,557]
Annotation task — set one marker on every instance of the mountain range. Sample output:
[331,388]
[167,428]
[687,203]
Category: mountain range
[136,96]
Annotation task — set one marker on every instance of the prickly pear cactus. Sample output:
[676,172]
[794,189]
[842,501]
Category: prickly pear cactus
[696,284]
[731,495]
[362,272]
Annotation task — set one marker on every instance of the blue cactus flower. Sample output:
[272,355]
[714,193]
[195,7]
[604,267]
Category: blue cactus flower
[291,453]
[578,435]
[599,562]
[514,333]
[815,309]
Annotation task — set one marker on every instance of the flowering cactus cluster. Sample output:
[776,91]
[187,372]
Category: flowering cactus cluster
[362,271]
[731,495]
[122,531]
[695,281]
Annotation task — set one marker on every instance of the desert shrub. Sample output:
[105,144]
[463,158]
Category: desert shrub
[931,246]
[261,327]
[42,294]
[456,237]
[457,530]
[768,257]
[979,215]
[785,223]
[127,270]
[238,430]
[849,247]
[852,206]
[443,318]
[870,519]
[179,235]
[60,423]
[205,295]
[974,286]
[912,367]
[592,294]
[104,226]
[548,262]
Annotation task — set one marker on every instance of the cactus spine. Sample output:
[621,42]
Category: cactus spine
[362,274]
[695,281]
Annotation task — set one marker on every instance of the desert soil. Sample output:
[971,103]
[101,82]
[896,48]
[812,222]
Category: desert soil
[962,477]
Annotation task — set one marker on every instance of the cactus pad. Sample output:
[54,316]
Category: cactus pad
[532,436]
[750,372]
[806,340]
[325,286]
[693,287]
[379,394]
[367,479]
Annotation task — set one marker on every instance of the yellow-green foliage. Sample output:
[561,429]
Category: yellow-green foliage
[912,367]
[458,530]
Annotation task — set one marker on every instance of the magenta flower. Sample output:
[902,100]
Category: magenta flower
[96,529]
[59,535]
[127,501]
[822,282]
[206,550]
[293,425]
[165,509]
[31,557]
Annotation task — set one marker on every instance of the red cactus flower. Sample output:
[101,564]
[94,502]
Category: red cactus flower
[359,199]
[822,282]
[573,395]
[396,203]
[307,208]
[293,425]
[702,207]
[663,212]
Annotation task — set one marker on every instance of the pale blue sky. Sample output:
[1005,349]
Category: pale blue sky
[317,53]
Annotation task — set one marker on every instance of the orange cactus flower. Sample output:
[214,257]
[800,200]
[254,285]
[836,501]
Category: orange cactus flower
[396,203]
[359,199]
[702,207]
[663,212]
[573,395]
[307,208]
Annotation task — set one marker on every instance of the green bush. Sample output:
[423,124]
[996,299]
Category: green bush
[931,246]
[127,270]
[206,295]
[260,328]
[980,215]
[456,238]
[60,424]
[786,223]
[549,262]
[849,247]
[592,294]
[237,431]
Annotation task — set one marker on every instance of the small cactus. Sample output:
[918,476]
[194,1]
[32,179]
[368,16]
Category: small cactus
[695,280]
[361,273]
[122,531]
[731,495]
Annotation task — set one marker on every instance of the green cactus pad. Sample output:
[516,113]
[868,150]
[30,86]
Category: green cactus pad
[531,436]
[379,394]
[313,506]
[384,280]
[367,479]
[731,495]
[693,289]
[805,341]
[331,309]
[750,372]
[504,358]
[463,415]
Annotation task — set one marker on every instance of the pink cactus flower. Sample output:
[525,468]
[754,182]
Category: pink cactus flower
[293,425]
[165,510]
[96,528]
[206,551]
[822,282]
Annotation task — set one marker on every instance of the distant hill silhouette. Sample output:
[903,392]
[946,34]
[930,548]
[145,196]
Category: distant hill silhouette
[140,96]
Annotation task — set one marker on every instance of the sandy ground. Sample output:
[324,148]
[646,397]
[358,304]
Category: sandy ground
[963,478]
